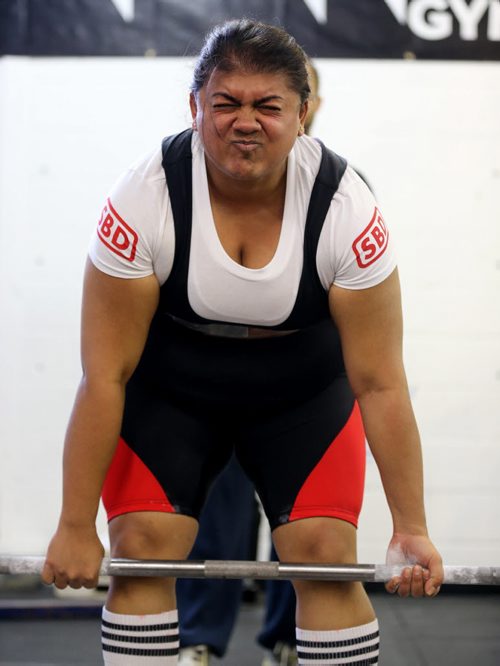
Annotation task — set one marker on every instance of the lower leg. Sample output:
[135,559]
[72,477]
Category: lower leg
[140,640]
[141,596]
[354,646]
[140,621]
[325,605]
[336,623]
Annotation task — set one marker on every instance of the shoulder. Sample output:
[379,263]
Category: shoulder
[125,243]
[355,217]
[146,173]
[353,197]
[138,194]
[355,245]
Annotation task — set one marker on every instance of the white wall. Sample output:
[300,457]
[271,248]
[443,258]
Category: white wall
[427,137]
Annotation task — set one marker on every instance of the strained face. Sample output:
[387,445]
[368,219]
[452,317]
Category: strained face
[248,122]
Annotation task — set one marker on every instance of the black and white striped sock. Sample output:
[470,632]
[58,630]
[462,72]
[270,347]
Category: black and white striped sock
[358,646]
[140,639]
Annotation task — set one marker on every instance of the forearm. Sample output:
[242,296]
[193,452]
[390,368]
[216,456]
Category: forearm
[91,440]
[392,434]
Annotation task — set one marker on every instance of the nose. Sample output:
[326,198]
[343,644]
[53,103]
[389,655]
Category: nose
[246,121]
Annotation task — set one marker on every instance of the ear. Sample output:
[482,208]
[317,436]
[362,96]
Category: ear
[303,112]
[302,117]
[193,105]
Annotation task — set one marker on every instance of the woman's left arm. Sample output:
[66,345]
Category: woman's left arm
[370,326]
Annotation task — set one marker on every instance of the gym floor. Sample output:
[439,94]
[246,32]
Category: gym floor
[459,628]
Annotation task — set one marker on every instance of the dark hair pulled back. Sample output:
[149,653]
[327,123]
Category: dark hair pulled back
[255,47]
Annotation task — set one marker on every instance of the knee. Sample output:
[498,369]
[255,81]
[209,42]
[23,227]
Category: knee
[324,550]
[151,536]
[133,539]
[317,541]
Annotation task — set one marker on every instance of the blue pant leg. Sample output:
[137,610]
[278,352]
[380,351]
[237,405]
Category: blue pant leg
[208,608]
[279,621]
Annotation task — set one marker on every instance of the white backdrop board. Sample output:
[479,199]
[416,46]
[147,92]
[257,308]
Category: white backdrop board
[427,137]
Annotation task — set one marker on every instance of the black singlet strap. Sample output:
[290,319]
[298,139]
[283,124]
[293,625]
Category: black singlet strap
[331,170]
[177,163]
[312,300]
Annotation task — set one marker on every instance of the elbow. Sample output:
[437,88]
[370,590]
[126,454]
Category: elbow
[101,379]
[367,385]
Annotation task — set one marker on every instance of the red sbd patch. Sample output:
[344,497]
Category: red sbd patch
[116,234]
[372,242]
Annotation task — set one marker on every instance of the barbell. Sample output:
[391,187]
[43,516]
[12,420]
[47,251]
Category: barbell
[366,573]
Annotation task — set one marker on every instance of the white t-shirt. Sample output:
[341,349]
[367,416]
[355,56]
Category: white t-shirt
[135,238]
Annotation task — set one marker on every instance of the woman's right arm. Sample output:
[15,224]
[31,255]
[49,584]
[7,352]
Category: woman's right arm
[116,316]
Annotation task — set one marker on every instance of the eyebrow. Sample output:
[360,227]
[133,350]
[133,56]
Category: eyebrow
[262,100]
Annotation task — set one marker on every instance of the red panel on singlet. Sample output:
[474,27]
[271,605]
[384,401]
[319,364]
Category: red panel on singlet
[131,486]
[335,486]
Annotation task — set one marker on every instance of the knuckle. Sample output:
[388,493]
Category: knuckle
[60,571]
[90,581]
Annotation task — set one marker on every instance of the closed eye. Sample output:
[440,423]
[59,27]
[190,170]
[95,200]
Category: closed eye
[225,105]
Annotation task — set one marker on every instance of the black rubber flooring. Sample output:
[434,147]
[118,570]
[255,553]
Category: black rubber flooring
[459,628]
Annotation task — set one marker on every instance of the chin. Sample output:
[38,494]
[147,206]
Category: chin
[244,173]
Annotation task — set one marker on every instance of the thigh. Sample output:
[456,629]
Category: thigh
[166,459]
[309,460]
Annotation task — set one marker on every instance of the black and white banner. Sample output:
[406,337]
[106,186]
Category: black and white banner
[426,29]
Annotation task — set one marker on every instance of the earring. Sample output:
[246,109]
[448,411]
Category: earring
[193,125]
[301,130]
